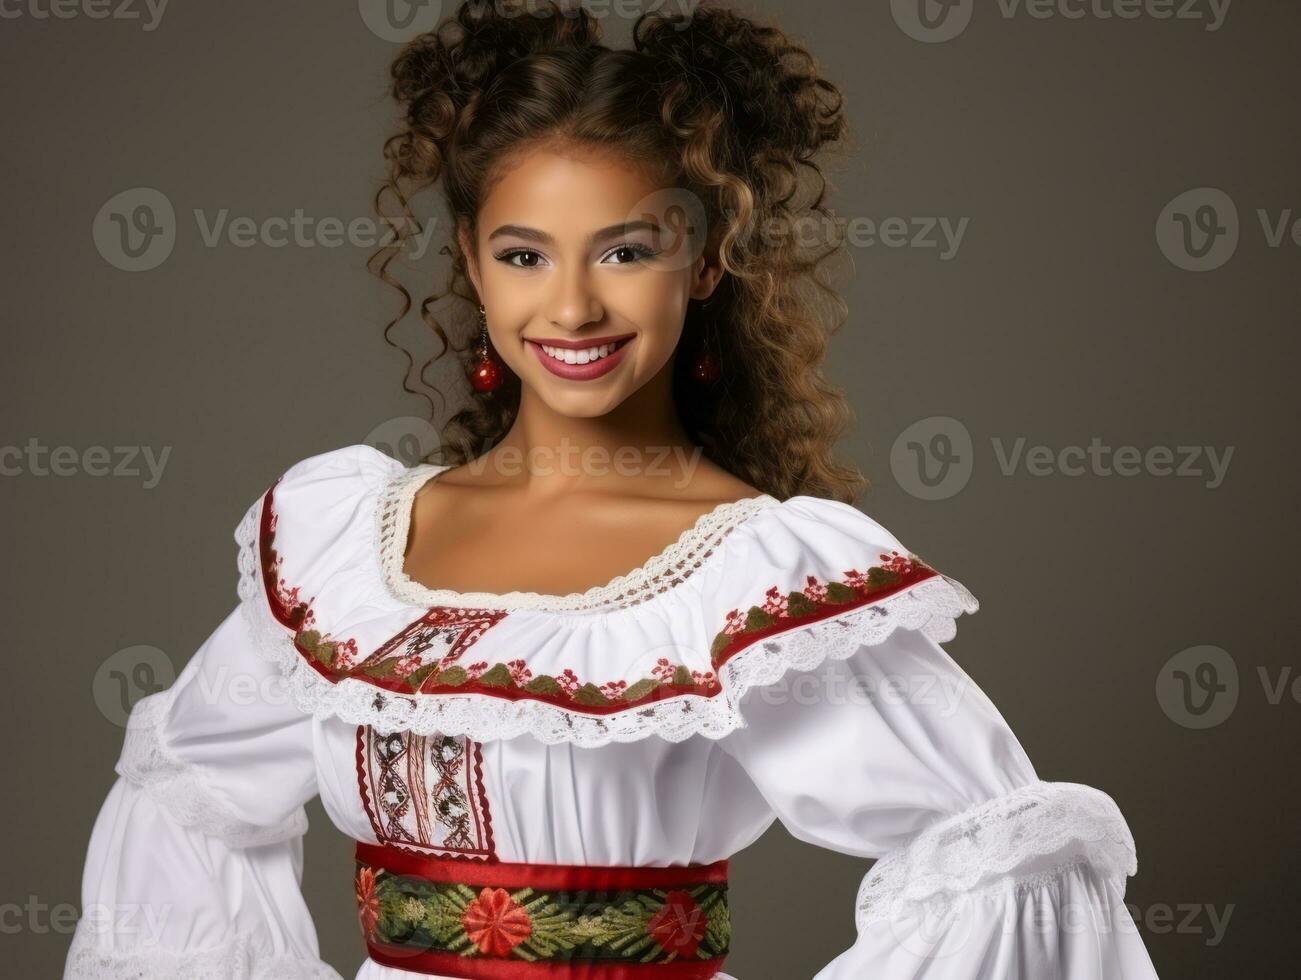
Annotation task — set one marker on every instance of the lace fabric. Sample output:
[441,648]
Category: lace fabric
[1025,838]
[657,575]
[180,788]
[931,607]
[242,957]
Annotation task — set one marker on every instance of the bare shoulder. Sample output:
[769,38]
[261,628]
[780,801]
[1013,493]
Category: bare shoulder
[725,488]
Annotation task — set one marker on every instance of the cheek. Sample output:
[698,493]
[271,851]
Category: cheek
[657,305]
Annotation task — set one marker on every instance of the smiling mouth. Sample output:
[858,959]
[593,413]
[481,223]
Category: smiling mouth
[580,355]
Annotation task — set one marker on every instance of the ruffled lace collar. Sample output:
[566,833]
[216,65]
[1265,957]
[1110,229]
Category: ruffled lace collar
[743,597]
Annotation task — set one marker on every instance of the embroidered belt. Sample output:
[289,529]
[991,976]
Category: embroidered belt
[510,921]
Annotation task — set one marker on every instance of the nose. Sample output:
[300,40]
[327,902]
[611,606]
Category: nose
[573,303]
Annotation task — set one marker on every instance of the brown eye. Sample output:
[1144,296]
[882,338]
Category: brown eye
[507,257]
[634,252]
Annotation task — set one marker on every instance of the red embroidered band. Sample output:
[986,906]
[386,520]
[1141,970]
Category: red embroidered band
[512,921]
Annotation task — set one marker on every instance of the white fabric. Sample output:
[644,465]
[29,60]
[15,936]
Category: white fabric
[857,731]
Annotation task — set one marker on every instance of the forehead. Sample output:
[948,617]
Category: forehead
[566,189]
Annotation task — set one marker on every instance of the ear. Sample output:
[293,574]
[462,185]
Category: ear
[707,273]
[463,238]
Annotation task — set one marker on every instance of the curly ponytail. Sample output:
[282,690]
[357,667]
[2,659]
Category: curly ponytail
[737,111]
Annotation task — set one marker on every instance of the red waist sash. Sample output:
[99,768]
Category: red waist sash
[495,920]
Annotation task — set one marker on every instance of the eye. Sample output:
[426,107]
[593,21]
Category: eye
[636,250]
[510,254]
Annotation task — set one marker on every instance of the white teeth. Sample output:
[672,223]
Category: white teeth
[571,356]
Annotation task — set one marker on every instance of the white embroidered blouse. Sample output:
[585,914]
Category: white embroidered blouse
[780,661]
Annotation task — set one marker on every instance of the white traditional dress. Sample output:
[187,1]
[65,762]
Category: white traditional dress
[550,786]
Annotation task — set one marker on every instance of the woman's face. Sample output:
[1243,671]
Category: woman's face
[585,265]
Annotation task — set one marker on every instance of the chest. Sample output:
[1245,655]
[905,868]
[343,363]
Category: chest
[574,548]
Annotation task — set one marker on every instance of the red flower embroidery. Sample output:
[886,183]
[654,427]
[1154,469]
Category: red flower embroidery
[496,922]
[774,602]
[663,670]
[613,689]
[705,678]
[735,622]
[345,654]
[679,925]
[814,589]
[568,681]
[519,672]
[405,666]
[367,901]
[288,598]
[857,580]
[475,669]
[897,563]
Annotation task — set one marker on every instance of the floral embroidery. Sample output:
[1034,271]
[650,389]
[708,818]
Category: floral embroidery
[679,925]
[816,600]
[367,902]
[496,922]
[416,915]
[426,657]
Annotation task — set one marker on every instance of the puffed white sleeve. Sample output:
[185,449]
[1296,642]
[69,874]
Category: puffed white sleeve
[864,736]
[194,865]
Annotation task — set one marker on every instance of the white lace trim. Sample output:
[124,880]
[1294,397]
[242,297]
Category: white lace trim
[661,573]
[179,787]
[930,606]
[1025,838]
[242,957]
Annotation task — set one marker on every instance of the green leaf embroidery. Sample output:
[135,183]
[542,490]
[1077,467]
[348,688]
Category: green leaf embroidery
[543,684]
[498,676]
[590,694]
[452,675]
[641,689]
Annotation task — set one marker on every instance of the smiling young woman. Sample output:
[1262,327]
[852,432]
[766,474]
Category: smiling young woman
[517,672]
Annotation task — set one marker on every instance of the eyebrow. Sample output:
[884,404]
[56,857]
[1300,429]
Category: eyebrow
[537,235]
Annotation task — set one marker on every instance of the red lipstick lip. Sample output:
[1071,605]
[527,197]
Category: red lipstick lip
[579,344]
[581,372]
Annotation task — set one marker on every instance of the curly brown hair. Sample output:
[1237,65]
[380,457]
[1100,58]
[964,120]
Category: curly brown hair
[737,111]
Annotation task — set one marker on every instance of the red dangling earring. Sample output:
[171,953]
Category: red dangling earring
[488,373]
[705,369]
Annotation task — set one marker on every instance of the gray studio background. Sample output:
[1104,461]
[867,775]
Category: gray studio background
[1068,150]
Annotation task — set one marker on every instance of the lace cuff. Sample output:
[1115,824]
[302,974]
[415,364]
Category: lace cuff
[242,956]
[1017,840]
[179,787]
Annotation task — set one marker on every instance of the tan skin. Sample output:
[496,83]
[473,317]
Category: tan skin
[571,519]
